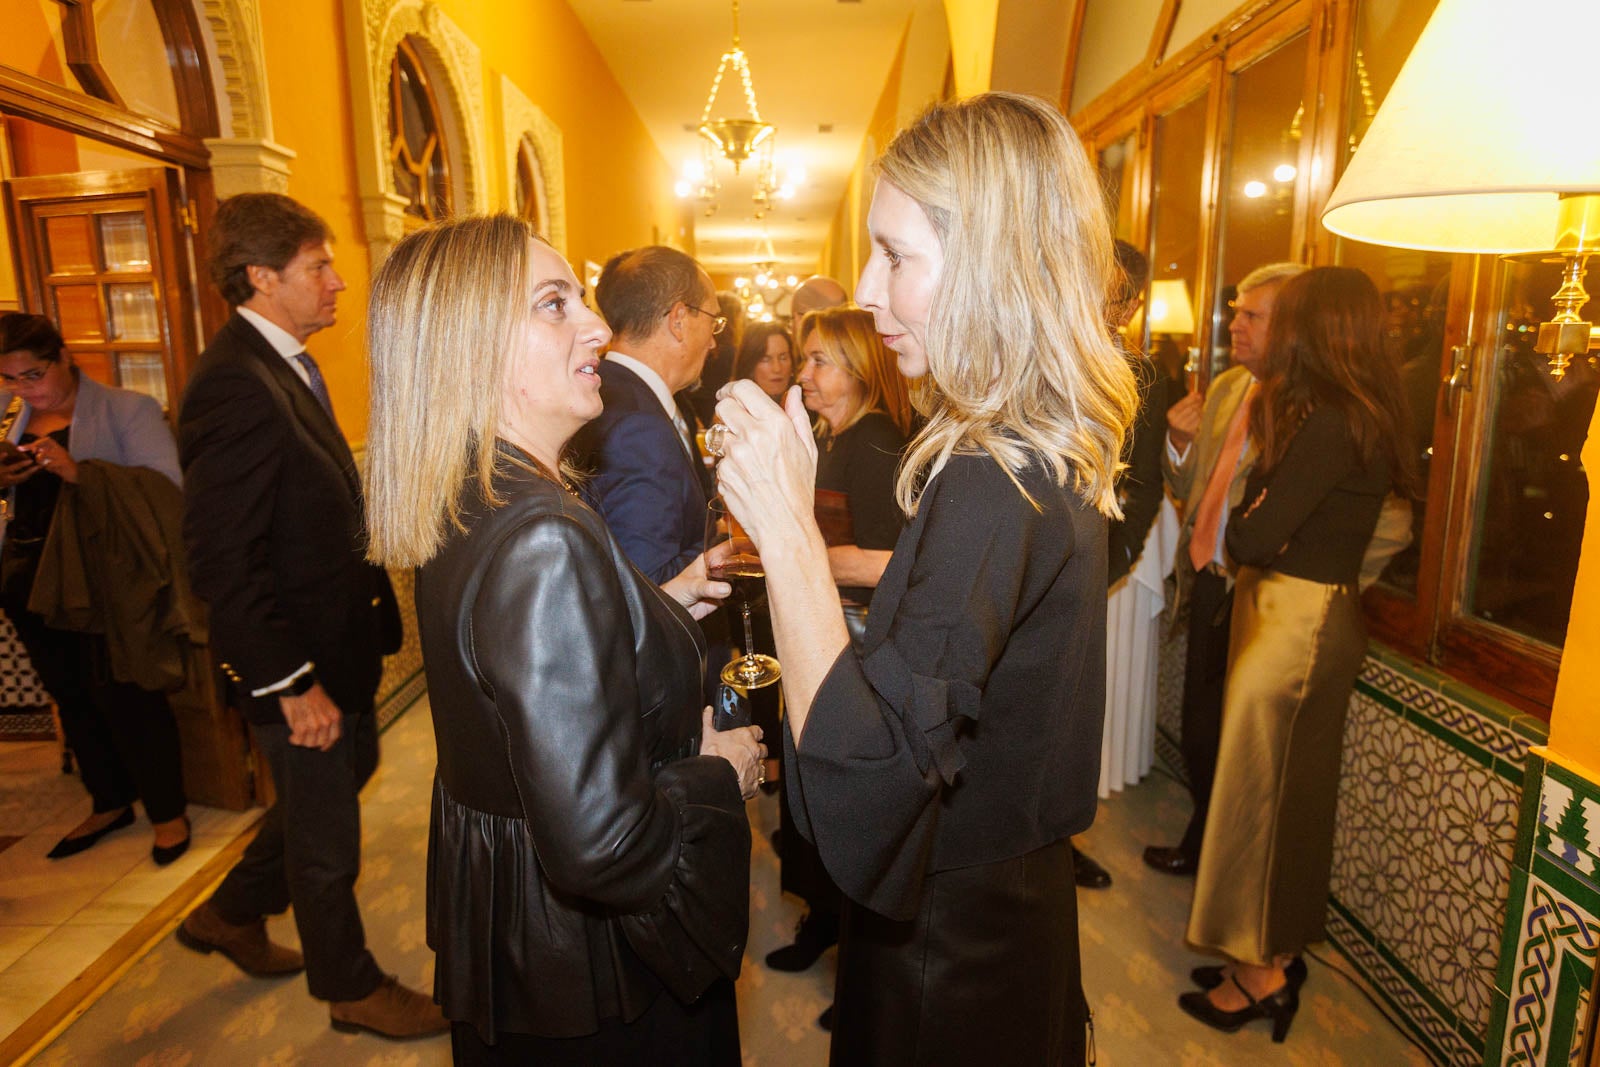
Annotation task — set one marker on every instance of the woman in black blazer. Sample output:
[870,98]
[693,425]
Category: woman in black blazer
[588,873]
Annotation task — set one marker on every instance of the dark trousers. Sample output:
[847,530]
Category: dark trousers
[1205,670]
[308,853]
[124,737]
[668,1034]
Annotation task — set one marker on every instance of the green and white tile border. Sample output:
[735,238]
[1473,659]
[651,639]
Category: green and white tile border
[1547,958]
[1430,792]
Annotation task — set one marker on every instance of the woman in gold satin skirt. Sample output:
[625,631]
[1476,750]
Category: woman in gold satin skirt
[1328,420]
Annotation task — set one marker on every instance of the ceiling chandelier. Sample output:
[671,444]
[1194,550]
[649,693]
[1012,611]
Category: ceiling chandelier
[762,292]
[735,140]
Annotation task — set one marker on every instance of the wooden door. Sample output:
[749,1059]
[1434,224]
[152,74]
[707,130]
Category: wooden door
[107,257]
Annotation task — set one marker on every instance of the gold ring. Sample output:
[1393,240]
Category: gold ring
[716,439]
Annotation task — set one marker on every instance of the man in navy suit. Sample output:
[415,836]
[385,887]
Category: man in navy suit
[649,482]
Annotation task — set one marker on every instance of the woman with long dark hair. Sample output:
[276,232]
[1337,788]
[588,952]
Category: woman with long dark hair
[1329,419]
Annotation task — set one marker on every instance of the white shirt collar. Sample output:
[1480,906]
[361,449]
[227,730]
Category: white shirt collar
[650,378]
[282,341]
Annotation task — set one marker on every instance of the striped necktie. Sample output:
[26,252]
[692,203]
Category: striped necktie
[319,388]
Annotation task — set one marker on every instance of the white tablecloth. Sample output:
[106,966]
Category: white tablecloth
[1133,612]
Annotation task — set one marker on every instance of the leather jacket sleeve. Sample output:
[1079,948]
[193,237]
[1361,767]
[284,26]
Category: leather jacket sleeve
[552,643]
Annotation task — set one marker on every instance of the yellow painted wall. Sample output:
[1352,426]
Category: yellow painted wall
[846,248]
[618,188]
[1574,726]
[972,25]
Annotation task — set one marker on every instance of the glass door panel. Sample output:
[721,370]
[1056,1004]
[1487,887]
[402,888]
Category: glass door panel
[125,241]
[134,312]
[1415,285]
[1258,198]
[1178,170]
[1532,494]
[1116,178]
[143,373]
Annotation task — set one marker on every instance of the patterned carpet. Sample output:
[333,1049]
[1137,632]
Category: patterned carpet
[174,1008]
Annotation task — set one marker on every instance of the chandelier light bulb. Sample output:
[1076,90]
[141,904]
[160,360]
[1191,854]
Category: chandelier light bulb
[791,281]
[741,282]
[1285,172]
[1255,190]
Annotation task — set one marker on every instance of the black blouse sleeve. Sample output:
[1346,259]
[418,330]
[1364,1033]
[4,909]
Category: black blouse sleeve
[872,463]
[670,853]
[883,739]
[1318,459]
[1141,486]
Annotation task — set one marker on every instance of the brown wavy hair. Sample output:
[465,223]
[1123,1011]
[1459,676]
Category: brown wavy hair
[1325,347]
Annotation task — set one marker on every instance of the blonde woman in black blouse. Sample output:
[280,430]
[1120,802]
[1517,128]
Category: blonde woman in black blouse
[942,768]
[1329,420]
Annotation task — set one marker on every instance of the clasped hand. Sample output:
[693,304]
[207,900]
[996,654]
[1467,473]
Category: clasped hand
[768,472]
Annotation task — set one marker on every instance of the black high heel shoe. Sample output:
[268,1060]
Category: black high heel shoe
[1279,1006]
[1210,977]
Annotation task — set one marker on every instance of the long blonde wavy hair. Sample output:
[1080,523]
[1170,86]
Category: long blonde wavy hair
[444,309]
[1021,363]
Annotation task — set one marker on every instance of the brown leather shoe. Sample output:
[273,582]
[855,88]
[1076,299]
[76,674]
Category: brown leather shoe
[246,945]
[391,1011]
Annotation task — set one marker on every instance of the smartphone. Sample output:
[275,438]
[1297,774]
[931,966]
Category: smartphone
[11,455]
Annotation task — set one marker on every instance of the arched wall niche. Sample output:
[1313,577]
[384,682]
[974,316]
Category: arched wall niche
[523,122]
[374,29]
[244,157]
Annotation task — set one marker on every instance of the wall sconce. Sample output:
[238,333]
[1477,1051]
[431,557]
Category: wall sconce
[1474,151]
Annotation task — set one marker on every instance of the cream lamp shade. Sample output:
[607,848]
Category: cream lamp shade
[1170,310]
[1491,122]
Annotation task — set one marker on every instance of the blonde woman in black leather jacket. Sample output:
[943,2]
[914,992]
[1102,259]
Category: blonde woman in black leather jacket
[588,873]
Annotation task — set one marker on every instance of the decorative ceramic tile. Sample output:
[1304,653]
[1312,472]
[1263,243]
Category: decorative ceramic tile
[1435,1029]
[1494,737]
[1553,966]
[1422,851]
[19,686]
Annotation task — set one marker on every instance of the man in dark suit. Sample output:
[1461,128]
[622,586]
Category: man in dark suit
[300,621]
[649,482]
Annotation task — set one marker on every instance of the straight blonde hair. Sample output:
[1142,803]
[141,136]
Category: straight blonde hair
[444,309]
[848,335]
[1021,363]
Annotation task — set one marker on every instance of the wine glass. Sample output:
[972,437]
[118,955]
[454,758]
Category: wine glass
[741,568]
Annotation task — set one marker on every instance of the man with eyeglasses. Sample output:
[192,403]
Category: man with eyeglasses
[649,482]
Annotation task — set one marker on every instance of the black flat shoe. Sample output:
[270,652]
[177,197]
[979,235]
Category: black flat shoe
[165,854]
[1170,860]
[71,846]
[1280,1007]
[1210,977]
[813,936]
[1087,873]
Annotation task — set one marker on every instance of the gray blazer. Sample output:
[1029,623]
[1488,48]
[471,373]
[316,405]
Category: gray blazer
[120,426]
